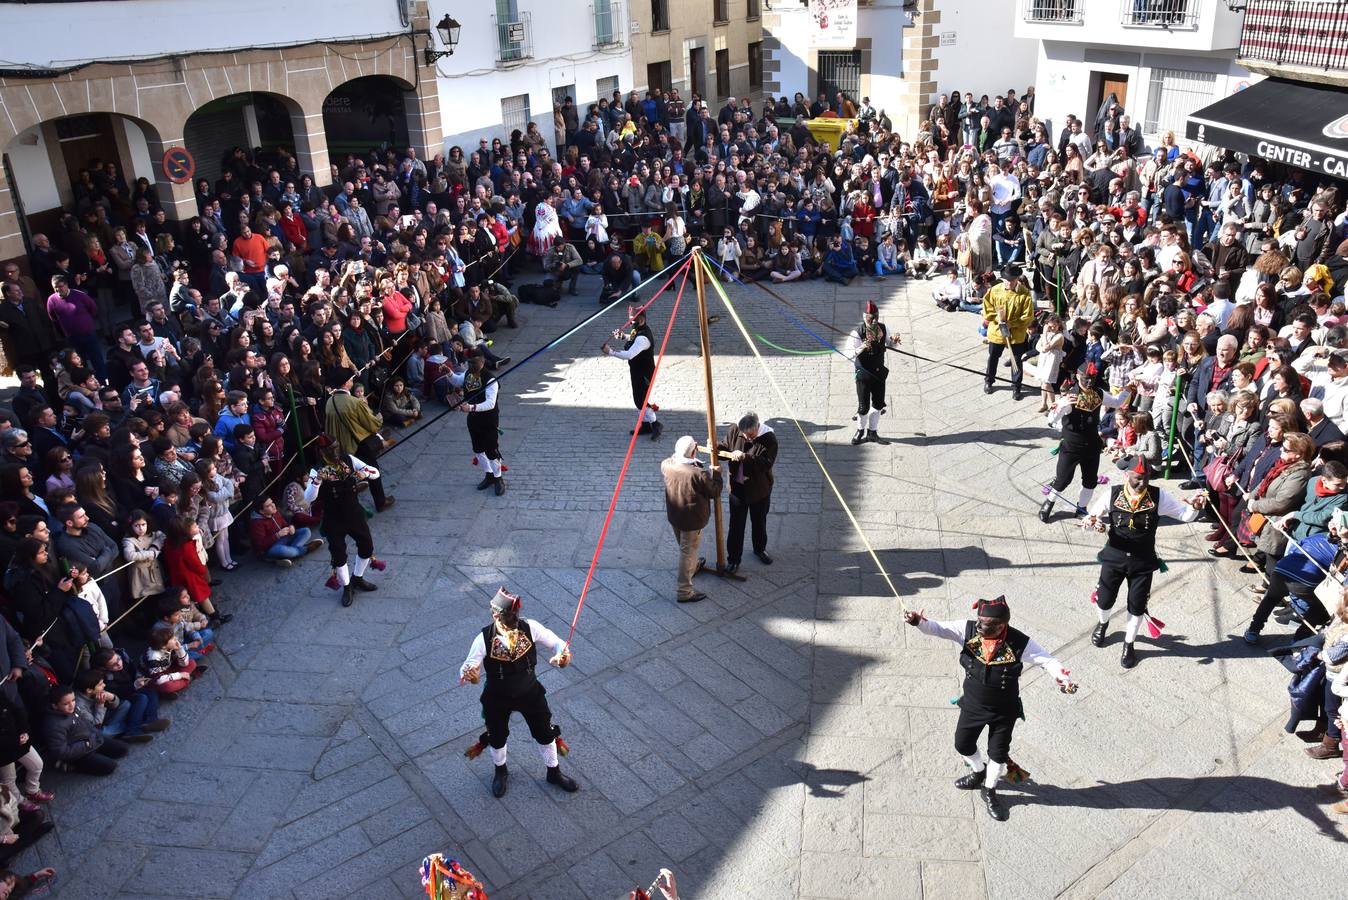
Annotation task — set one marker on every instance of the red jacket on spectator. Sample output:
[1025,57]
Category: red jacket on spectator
[294,230]
[270,427]
[263,531]
[185,569]
[396,308]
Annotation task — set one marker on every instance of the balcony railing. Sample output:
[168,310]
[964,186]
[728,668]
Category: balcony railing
[1176,15]
[514,38]
[1296,33]
[1060,12]
[607,16]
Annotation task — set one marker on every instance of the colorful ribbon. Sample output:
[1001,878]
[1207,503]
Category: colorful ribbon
[685,269]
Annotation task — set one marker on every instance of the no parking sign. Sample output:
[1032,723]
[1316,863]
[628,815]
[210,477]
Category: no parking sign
[179,167]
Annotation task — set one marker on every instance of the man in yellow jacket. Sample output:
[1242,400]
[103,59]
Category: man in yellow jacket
[353,425]
[1008,310]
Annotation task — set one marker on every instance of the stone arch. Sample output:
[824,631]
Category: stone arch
[250,119]
[369,111]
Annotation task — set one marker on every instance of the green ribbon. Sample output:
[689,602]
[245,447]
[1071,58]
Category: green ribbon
[763,340]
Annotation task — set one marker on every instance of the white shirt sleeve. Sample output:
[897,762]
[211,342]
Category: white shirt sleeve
[545,637]
[951,631]
[476,653]
[311,489]
[1114,401]
[1059,411]
[640,345]
[1175,508]
[488,398]
[853,343]
[1036,655]
[363,469]
[1100,504]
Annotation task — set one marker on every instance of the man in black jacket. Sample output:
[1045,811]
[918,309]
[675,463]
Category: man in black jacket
[1212,374]
[752,448]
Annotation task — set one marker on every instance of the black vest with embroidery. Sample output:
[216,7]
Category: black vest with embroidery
[1133,531]
[870,361]
[474,387]
[993,683]
[337,482]
[1081,425]
[643,364]
[509,664]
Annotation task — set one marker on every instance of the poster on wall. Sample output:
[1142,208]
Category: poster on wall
[833,23]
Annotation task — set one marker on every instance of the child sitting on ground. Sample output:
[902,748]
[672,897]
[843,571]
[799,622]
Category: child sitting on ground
[275,539]
[73,739]
[166,664]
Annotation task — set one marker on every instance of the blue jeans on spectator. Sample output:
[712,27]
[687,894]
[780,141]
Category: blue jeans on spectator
[131,715]
[289,547]
[205,635]
[882,269]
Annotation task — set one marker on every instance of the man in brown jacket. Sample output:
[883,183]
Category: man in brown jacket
[690,488]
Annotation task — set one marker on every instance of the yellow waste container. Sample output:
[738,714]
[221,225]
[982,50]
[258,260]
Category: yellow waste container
[829,131]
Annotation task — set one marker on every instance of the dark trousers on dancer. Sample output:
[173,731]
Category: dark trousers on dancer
[757,514]
[970,727]
[532,704]
[1071,459]
[338,525]
[1118,567]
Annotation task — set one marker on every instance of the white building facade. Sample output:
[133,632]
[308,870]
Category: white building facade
[1162,59]
[516,59]
[904,56]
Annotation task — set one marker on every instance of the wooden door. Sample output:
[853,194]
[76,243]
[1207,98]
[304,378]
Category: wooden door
[1112,83]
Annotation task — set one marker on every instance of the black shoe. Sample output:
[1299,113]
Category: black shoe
[1016,393]
[348,595]
[656,430]
[502,361]
[971,780]
[1190,485]
[215,582]
[732,567]
[987,388]
[858,437]
[644,429]
[763,557]
[874,438]
[487,481]
[500,485]
[1098,634]
[1129,657]
[358,581]
[388,502]
[1046,511]
[556,777]
[694,598]
[499,782]
[220,619]
[994,805]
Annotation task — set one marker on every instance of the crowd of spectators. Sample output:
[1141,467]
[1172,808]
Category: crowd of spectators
[173,375]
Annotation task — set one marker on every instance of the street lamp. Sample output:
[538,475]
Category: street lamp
[448,29]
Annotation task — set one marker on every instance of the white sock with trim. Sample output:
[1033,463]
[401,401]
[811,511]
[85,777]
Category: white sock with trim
[874,422]
[496,467]
[498,756]
[976,763]
[1130,630]
[483,462]
[343,575]
[1104,614]
[1084,498]
[995,772]
[360,566]
[549,754]
[648,415]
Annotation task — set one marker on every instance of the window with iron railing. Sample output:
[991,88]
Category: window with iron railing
[514,37]
[607,18]
[1168,14]
[1063,12]
[1308,33]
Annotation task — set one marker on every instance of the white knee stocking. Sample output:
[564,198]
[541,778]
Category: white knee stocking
[648,415]
[495,467]
[483,462]
[498,756]
[1084,498]
[360,566]
[1104,614]
[995,773]
[549,753]
[874,422]
[976,762]
[1130,630]
[343,575]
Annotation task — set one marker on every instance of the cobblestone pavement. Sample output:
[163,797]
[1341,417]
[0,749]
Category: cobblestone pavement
[788,737]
